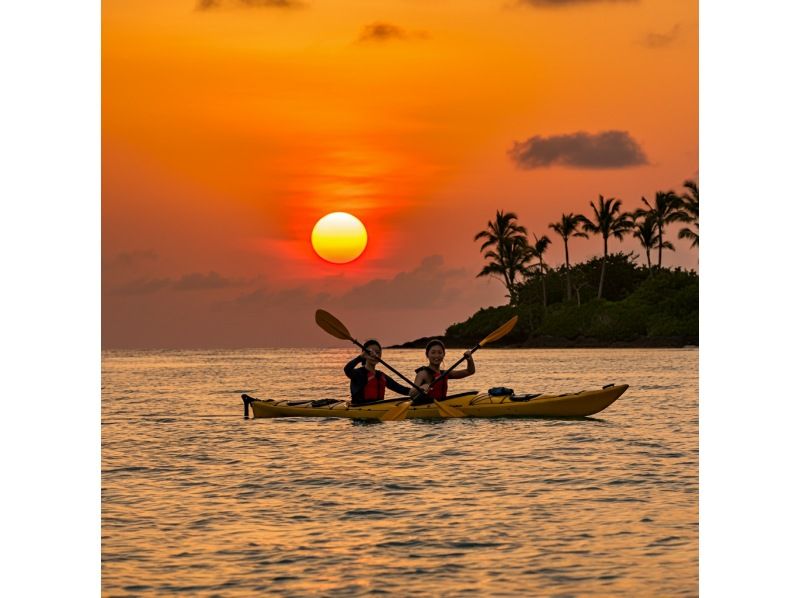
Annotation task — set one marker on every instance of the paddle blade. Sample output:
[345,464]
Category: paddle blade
[396,413]
[446,410]
[500,332]
[331,325]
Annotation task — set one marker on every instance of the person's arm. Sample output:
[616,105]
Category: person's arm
[467,371]
[422,381]
[398,388]
[351,366]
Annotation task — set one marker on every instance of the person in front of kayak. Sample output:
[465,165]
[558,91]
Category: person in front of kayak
[367,384]
[426,374]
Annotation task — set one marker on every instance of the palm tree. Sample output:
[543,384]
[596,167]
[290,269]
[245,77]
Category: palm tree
[665,209]
[537,250]
[645,230]
[608,222]
[516,259]
[519,256]
[568,227]
[504,247]
[691,212]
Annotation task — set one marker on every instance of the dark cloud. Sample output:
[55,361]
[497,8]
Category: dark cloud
[427,285]
[564,3]
[661,40]
[420,302]
[142,286]
[264,299]
[130,260]
[384,32]
[608,149]
[201,282]
[195,281]
[212,4]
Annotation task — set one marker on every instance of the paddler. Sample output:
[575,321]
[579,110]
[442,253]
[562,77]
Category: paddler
[367,384]
[426,374]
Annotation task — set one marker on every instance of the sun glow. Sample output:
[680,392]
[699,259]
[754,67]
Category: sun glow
[339,237]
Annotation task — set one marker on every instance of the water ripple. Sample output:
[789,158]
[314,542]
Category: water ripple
[201,502]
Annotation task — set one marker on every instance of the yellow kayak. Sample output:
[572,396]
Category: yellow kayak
[473,404]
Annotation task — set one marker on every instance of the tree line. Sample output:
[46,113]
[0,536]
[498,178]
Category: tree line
[516,259]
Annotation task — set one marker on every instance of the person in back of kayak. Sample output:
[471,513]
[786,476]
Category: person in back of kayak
[367,384]
[426,374]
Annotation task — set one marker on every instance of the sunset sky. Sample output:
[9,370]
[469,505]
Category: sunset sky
[229,127]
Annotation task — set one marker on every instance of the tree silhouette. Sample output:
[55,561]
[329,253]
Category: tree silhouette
[566,228]
[608,221]
[506,248]
[690,203]
[665,209]
[537,250]
[646,231]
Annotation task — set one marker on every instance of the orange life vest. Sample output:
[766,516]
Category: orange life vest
[376,386]
[437,391]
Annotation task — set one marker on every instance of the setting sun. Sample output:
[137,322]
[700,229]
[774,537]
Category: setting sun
[339,237]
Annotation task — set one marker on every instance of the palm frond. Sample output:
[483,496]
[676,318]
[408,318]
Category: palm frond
[488,243]
[687,233]
[490,269]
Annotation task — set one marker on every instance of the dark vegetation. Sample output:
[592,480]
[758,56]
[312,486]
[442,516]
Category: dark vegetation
[609,300]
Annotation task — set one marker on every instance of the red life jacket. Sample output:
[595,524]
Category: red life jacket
[375,388]
[437,391]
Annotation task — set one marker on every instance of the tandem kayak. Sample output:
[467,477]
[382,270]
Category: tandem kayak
[473,404]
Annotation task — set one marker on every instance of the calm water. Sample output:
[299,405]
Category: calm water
[198,501]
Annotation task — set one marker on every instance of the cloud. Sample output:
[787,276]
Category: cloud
[608,149]
[565,3]
[263,299]
[142,286]
[130,260]
[384,32]
[200,282]
[419,302]
[281,4]
[195,281]
[661,40]
[427,285]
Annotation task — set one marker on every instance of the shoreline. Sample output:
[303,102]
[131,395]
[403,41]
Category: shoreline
[545,342]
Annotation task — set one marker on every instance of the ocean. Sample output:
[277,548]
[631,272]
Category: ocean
[198,501]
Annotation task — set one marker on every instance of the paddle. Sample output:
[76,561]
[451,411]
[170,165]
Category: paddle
[335,328]
[496,335]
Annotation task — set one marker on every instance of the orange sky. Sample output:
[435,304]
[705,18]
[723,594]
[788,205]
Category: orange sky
[231,127]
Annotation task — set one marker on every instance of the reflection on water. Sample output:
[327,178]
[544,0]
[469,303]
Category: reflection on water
[198,501]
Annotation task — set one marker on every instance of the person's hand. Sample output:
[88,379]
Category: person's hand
[468,354]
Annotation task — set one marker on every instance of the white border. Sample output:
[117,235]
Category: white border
[749,324]
[50,189]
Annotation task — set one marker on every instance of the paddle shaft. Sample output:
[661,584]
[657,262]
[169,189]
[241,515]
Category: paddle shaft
[334,327]
[444,410]
[497,334]
[417,388]
[452,367]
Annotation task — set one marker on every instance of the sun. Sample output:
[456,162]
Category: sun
[339,237]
